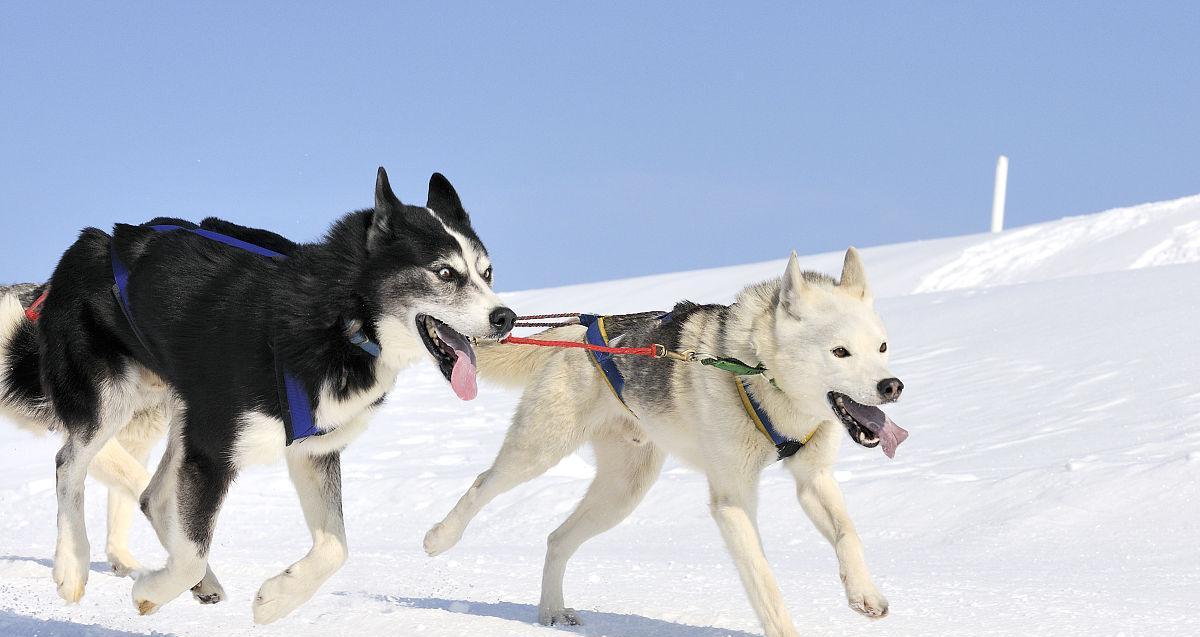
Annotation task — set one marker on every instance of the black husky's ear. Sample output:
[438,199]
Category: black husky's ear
[444,200]
[386,205]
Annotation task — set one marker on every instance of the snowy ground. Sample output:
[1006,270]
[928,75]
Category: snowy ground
[1049,486]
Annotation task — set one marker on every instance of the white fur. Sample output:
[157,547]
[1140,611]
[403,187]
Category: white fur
[260,440]
[399,344]
[285,592]
[704,425]
[333,412]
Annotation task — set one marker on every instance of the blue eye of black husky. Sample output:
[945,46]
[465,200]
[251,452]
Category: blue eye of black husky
[446,274]
[841,352]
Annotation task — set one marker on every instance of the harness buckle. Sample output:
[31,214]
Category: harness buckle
[686,356]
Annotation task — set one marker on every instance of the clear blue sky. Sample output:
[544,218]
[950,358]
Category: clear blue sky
[593,140]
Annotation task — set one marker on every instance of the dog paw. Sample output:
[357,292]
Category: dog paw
[122,563]
[279,596]
[208,591]
[560,617]
[141,593]
[441,538]
[70,576]
[868,602]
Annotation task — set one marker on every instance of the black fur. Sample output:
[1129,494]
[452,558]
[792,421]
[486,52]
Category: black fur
[22,372]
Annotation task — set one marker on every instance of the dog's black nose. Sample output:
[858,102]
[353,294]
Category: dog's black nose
[502,320]
[890,388]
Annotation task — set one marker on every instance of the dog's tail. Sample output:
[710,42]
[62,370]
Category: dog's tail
[21,397]
[515,365]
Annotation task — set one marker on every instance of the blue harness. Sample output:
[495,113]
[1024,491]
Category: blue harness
[597,335]
[294,400]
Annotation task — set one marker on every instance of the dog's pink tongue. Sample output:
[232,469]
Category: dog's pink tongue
[462,378]
[891,435]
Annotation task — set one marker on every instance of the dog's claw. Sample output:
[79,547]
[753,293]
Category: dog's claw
[146,607]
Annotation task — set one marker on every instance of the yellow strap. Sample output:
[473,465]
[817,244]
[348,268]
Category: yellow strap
[750,407]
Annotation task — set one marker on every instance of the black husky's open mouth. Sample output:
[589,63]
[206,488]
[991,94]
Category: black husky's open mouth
[453,353]
[867,425]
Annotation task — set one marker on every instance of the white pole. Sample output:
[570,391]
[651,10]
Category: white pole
[999,193]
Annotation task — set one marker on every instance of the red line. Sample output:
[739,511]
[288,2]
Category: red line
[34,311]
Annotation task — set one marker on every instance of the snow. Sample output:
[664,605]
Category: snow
[1049,486]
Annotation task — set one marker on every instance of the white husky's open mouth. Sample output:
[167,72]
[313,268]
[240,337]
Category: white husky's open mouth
[867,425]
[453,353]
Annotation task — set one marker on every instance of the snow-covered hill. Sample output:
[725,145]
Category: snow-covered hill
[1050,486]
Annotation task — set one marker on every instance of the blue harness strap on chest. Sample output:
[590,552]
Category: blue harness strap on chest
[786,447]
[294,399]
[596,335]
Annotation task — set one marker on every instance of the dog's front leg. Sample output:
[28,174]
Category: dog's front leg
[822,500]
[734,511]
[318,481]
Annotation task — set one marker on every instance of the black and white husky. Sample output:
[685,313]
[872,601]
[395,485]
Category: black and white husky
[826,353]
[214,331]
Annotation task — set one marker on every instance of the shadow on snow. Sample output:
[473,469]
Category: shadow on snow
[594,622]
[14,624]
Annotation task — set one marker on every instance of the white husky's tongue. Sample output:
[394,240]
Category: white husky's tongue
[462,377]
[889,433]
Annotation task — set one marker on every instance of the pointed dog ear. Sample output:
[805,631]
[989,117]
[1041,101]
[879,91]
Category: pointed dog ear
[854,276]
[795,291]
[443,199]
[386,205]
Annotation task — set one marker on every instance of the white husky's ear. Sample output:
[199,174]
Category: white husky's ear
[795,292]
[854,276]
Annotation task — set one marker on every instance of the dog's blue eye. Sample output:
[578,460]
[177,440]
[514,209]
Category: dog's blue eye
[487,274]
[841,352]
[446,274]
[882,348]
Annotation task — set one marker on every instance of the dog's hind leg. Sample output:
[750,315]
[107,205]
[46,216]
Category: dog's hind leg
[125,476]
[318,481]
[81,445]
[733,502]
[822,500]
[545,429]
[182,502]
[624,472]
[136,440]
[159,506]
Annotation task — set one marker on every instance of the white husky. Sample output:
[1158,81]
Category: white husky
[825,350]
